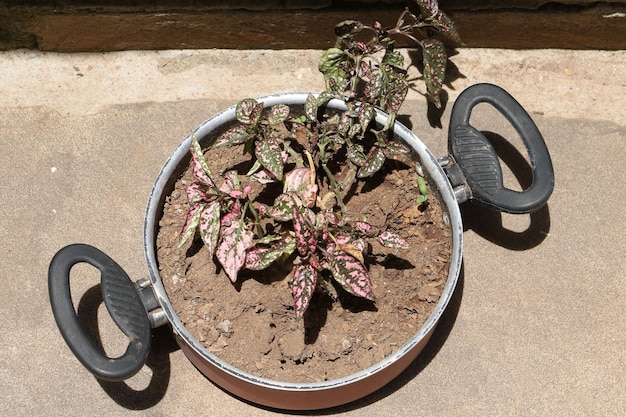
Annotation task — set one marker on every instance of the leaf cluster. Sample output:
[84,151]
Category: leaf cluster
[314,159]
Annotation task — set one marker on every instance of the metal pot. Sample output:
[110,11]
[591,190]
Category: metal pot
[470,172]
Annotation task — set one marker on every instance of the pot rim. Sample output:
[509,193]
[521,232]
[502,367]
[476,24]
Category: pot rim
[429,165]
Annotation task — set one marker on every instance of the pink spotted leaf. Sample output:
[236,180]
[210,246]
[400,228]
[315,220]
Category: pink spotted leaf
[366,115]
[249,111]
[260,257]
[201,169]
[355,155]
[392,240]
[210,225]
[395,148]
[231,182]
[269,153]
[305,238]
[363,227]
[232,247]
[435,61]
[191,223]
[374,162]
[282,208]
[264,177]
[278,114]
[234,135]
[350,274]
[303,286]
[195,193]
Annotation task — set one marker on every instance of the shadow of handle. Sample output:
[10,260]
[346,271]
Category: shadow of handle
[122,301]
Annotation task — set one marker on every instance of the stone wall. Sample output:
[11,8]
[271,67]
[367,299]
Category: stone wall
[97,25]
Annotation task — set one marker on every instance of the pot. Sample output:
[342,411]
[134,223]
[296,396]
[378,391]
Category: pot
[471,171]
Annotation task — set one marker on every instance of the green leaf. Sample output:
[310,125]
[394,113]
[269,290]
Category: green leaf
[435,61]
[269,153]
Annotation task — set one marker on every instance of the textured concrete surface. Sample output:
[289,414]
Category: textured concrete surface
[537,326]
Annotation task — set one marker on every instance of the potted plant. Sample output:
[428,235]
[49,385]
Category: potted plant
[305,211]
[288,192]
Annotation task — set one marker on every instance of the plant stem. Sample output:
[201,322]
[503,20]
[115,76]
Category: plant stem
[335,187]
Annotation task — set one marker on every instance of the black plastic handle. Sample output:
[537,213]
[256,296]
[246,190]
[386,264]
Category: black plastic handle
[122,301]
[478,160]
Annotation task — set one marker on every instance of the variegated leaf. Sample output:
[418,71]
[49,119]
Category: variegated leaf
[303,286]
[269,153]
[210,225]
[260,257]
[366,115]
[396,148]
[232,247]
[195,193]
[392,240]
[201,169]
[348,28]
[191,223]
[374,87]
[435,61]
[249,111]
[374,162]
[356,156]
[296,179]
[231,182]
[282,208]
[396,95]
[363,227]
[278,114]
[306,240]
[263,177]
[234,135]
[428,8]
[350,274]
[310,107]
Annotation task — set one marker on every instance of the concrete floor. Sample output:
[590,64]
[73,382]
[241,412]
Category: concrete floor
[537,326]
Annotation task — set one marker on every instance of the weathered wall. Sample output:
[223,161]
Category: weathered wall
[88,25]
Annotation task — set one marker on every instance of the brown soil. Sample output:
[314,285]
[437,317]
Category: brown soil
[252,324]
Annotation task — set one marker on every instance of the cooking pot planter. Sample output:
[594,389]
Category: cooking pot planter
[471,171]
